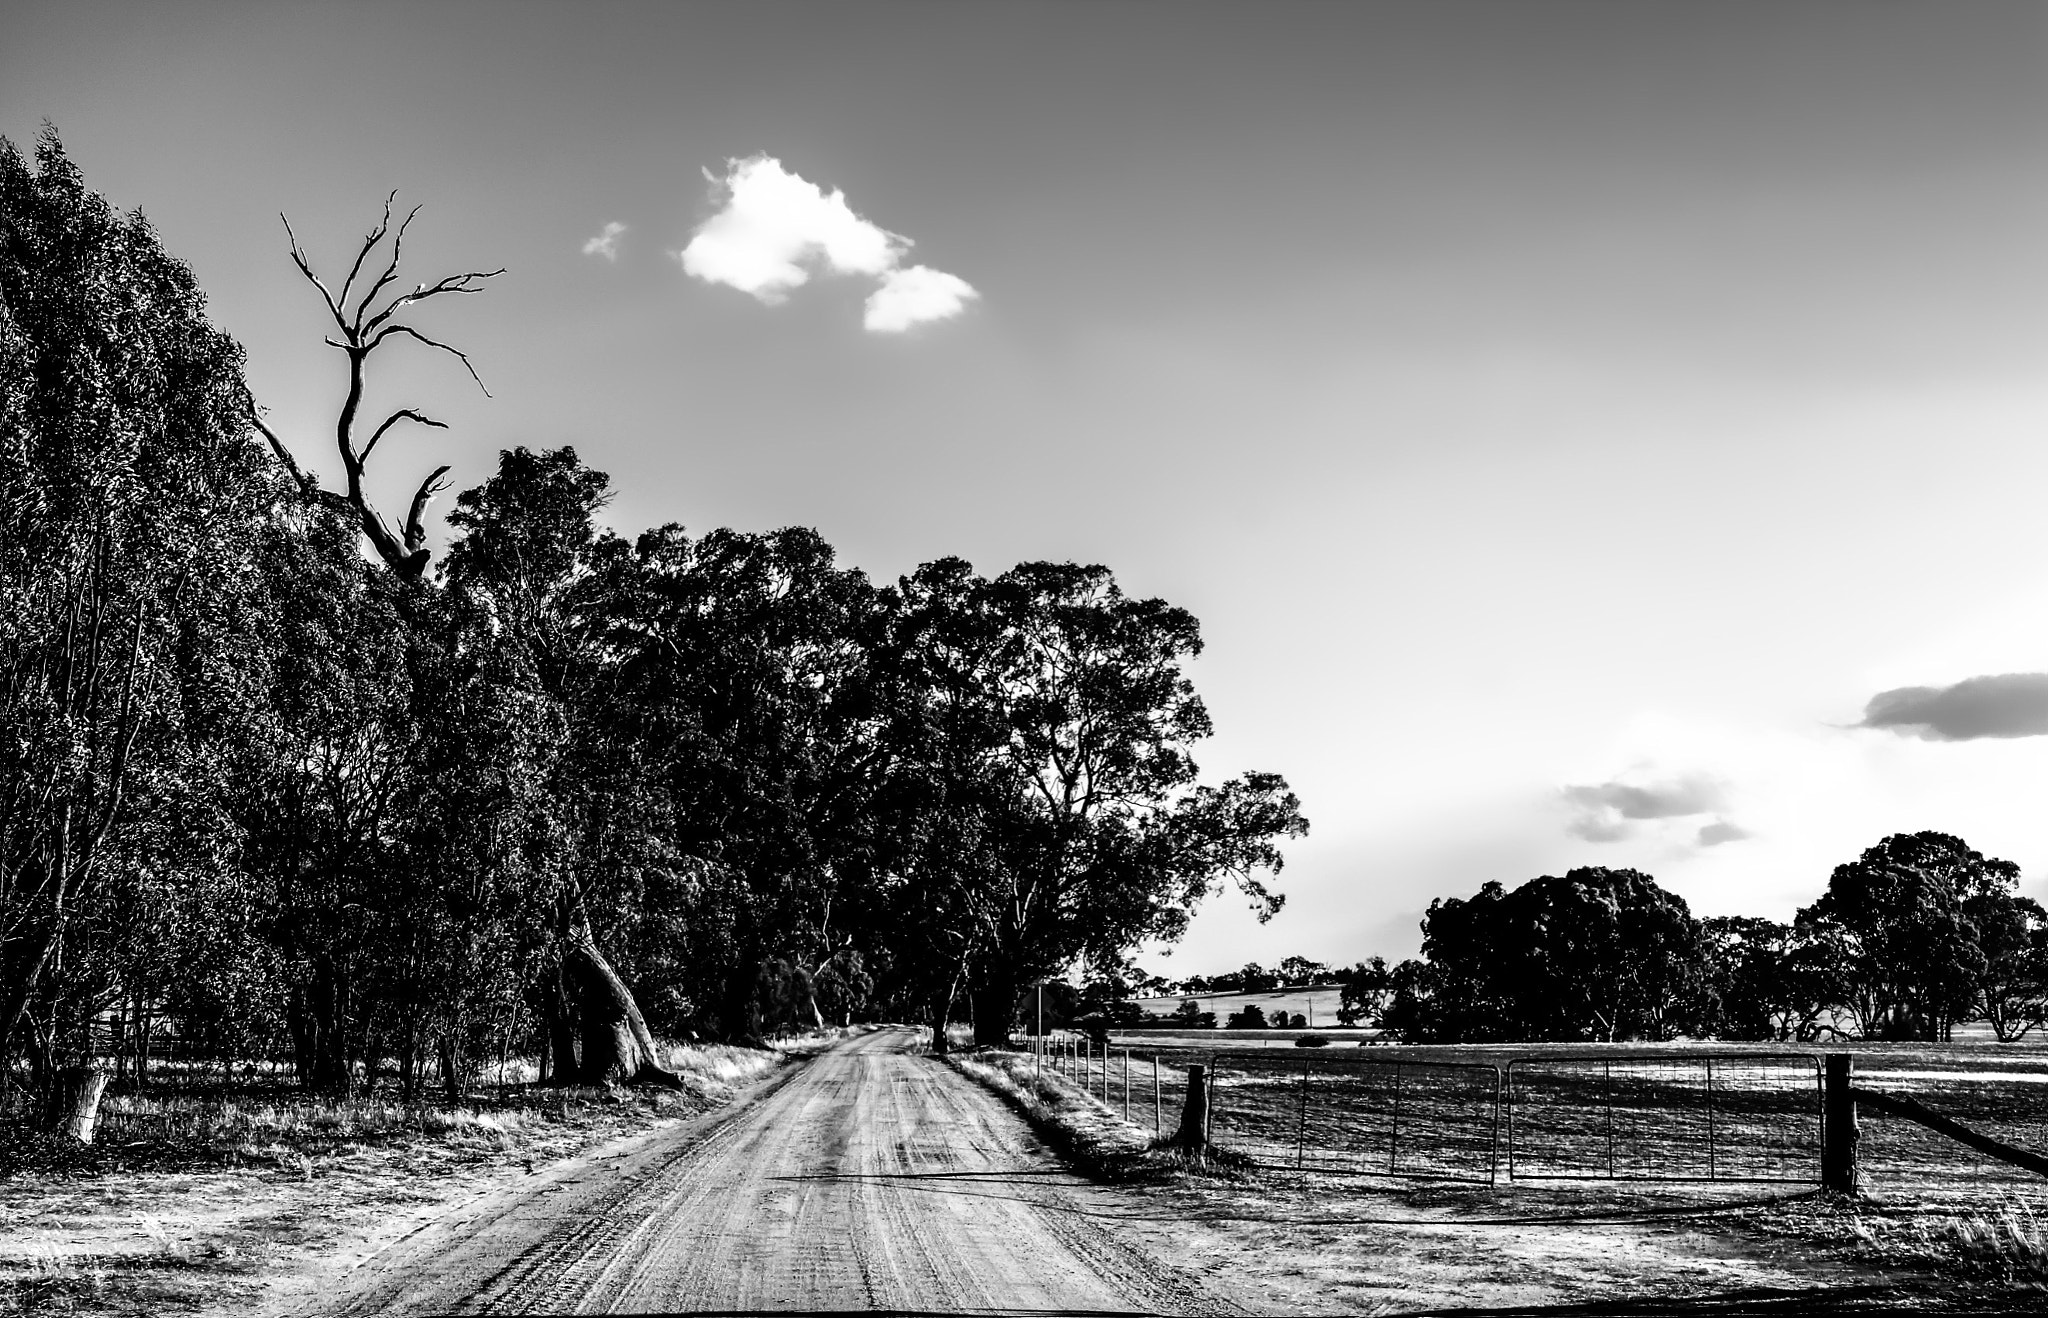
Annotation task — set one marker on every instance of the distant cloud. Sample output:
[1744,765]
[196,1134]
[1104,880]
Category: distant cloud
[2006,705]
[1714,834]
[1607,811]
[916,294]
[606,244]
[774,228]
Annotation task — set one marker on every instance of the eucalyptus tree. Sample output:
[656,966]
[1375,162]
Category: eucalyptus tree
[1058,726]
[1899,916]
[1598,954]
[742,677]
[131,505]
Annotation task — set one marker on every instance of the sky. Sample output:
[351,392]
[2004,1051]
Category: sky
[1589,433]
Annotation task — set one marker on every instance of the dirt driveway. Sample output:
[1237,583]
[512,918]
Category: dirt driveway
[872,1178]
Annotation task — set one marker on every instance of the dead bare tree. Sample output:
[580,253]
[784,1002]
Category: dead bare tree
[364,326]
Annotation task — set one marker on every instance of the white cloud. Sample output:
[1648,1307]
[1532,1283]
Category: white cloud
[606,244]
[910,296]
[775,228]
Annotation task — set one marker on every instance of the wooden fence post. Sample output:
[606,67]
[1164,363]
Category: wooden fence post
[1838,1126]
[1193,1134]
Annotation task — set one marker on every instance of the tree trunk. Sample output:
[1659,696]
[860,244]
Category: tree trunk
[616,1045]
[451,1071]
[995,1003]
[942,1014]
[85,1105]
[559,1061]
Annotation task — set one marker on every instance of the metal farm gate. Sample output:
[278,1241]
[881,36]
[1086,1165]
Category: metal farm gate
[1670,1117]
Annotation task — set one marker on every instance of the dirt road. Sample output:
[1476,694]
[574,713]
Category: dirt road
[872,1178]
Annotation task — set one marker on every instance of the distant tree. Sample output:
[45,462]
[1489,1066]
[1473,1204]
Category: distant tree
[1255,978]
[1249,1017]
[1368,989]
[1597,954]
[1771,981]
[2012,933]
[1301,970]
[1898,915]
[1411,1010]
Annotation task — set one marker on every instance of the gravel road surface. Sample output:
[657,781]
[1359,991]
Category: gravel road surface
[870,1178]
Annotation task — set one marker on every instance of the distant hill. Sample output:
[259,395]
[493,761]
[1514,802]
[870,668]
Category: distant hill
[1318,1004]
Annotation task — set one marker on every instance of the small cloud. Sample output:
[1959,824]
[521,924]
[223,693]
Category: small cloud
[1598,828]
[774,228]
[1714,834]
[1607,811]
[914,295]
[2005,705]
[606,244]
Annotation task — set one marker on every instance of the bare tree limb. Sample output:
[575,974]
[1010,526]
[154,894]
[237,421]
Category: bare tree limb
[466,282]
[390,268]
[306,269]
[370,241]
[308,487]
[415,525]
[402,414]
[390,330]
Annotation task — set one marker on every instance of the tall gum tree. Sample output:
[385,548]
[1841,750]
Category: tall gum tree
[130,502]
[1065,725]
[538,538]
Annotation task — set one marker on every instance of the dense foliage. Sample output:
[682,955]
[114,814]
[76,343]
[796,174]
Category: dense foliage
[1917,935]
[376,813]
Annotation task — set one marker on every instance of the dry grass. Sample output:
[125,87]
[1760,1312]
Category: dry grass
[1080,1127]
[2006,1244]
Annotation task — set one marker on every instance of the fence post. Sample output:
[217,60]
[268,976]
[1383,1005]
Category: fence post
[1193,1134]
[1127,1084]
[1610,1118]
[1158,1125]
[1838,1126]
[1301,1119]
[1711,1171]
[1394,1136]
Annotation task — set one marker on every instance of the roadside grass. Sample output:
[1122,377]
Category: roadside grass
[2005,1245]
[187,1201]
[1082,1129]
[165,1129]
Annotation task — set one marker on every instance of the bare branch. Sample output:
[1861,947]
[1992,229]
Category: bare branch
[462,283]
[309,488]
[375,236]
[299,259]
[390,270]
[390,330]
[284,455]
[415,526]
[402,414]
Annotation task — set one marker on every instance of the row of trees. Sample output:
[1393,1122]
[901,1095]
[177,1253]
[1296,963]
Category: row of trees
[1917,935]
[558,791]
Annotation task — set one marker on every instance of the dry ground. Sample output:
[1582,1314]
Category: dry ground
[262,1210]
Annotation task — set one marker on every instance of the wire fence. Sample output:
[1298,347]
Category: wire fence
[1735,1116]
[1903,1159]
